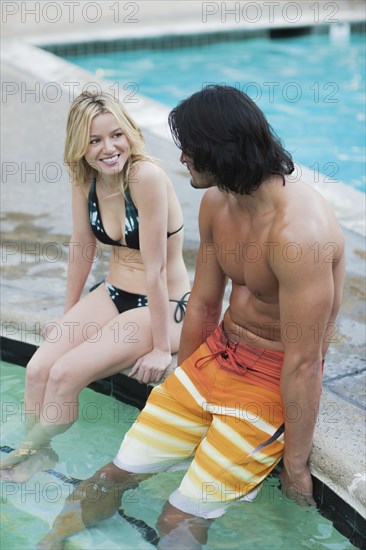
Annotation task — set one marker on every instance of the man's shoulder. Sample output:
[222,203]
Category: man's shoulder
[212,206]
[306,228]
[214,197]
[304,214]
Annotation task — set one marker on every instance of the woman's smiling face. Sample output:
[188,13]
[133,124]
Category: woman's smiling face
[108,149]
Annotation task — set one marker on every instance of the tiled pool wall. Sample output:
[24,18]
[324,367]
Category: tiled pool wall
[344,518]
[170,41]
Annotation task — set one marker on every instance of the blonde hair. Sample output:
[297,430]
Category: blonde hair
[83,109]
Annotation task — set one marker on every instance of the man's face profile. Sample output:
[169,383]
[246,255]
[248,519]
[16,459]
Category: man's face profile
[199,180]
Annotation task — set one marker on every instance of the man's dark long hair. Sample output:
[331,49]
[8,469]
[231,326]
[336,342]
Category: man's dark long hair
[224,133]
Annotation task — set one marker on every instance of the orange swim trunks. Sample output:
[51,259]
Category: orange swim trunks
[222,407]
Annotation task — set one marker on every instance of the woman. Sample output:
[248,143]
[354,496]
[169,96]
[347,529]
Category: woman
[122,198]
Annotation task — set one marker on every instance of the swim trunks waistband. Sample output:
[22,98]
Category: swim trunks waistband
[260,366]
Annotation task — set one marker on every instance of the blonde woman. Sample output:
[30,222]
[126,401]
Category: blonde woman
[121,198]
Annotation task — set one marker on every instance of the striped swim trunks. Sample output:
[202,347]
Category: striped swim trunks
[222,407]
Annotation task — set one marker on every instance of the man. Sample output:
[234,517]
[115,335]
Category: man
[242,383]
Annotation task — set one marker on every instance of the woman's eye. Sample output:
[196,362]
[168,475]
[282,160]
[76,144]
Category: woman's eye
[119,134]
[93,141]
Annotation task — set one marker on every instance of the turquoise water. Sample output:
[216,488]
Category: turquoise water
[311,89]
[28,510]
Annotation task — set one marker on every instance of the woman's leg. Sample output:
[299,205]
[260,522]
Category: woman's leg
[81,322]
[112,348]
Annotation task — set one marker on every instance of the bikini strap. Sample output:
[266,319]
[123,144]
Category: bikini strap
[181,307]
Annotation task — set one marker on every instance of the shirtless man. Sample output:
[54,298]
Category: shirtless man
[244,382]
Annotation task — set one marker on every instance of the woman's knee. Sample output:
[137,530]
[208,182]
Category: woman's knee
[61,375]
[38,370]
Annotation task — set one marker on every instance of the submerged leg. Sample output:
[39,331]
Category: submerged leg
[40,460]
[38,438]
[95,499]
[179,530]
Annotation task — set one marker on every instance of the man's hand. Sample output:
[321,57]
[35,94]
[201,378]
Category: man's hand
[151,367]
[298,486]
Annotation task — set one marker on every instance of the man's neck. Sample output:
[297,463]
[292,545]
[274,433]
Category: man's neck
[263,199]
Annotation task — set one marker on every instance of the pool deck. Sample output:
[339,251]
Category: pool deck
[36,224]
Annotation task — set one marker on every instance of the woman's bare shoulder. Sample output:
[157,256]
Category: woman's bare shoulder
[147,169]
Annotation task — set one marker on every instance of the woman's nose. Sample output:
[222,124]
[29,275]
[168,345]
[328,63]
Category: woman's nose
[108,146]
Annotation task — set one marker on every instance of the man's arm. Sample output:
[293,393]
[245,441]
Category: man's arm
[306,294]
[205,303]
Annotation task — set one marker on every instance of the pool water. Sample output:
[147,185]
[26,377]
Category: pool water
[311,89]
[28,510]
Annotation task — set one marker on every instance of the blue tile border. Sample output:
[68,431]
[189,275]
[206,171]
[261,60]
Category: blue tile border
[172,41]
[164,42]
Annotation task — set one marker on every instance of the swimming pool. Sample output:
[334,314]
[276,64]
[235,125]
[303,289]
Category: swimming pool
[311,89]
[271,521]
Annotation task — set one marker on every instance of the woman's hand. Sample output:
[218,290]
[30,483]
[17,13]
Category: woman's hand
[151,367]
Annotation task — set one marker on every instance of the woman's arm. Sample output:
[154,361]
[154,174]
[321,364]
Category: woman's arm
[81,248]
[149,192]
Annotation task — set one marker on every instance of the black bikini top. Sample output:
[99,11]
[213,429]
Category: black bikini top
[131,221]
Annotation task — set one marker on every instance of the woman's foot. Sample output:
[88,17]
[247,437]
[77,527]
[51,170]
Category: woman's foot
[38,461]
[15,457]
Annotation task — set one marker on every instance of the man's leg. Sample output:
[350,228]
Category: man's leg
[165,433]
[179,530]
[99,497]
[227,466]
[95,499]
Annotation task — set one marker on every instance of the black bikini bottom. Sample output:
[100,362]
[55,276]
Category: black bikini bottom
[124,301]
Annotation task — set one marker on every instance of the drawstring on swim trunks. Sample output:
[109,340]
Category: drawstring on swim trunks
[227,351]
[258,365]
[271,439]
